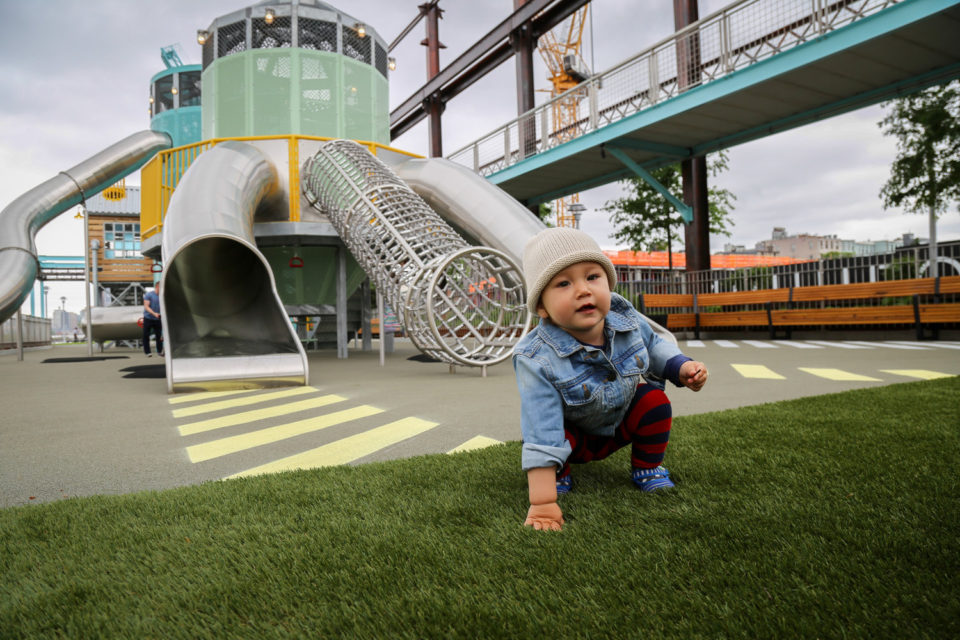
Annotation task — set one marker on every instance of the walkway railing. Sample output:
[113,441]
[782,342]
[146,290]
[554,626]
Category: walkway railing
[736,37]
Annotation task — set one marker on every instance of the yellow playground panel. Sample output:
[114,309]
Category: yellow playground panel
[160,177]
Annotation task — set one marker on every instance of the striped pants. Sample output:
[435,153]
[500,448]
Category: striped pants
[646,426]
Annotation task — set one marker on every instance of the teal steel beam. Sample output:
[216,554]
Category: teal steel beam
[60,262]
[881,23]
[659,148]
[599,181]
[685,210]
[889,92]
[563,192]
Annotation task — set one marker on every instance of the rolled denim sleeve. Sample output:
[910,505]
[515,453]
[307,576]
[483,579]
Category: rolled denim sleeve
[541,416]
[663,354]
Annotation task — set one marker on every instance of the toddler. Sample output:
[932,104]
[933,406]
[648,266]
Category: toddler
[590,375]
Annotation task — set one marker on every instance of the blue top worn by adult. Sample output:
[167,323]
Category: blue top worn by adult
[154,300]
[564,381]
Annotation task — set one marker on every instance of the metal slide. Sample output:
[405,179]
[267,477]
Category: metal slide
[24,217]
[458,303]
[477,208]
[224,324]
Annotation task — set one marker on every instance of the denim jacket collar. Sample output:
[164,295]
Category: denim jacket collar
[565,344]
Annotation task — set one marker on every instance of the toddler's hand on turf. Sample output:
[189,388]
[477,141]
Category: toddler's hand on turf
[693,375]
[544,517]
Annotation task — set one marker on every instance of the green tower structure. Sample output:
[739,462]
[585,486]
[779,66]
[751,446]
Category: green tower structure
[294,68]
[175,103]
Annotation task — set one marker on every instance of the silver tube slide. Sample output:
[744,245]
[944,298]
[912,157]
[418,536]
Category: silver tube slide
[477,208]
[224,324]
[474,206]
[24,217]
[114,323]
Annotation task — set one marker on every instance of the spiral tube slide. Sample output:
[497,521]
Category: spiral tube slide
[477,208]
[224,324]
[461,304]
[24,217]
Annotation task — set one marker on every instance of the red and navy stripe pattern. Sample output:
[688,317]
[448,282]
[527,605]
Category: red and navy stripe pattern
[646,426]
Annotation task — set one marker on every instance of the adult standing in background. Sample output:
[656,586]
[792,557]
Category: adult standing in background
[151,320]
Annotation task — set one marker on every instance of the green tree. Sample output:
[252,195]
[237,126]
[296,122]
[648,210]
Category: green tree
[646,221]
[544,211]
[925,176]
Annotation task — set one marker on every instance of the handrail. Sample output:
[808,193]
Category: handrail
[721,43]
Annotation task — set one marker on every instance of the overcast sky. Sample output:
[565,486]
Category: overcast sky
[75,76]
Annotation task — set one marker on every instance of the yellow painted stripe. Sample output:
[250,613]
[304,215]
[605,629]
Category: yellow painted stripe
[477,442]
[838,374]
[923,374]
[258,414]
[757,371]
[224,446]
[347,449]
[206,395]
[241,402]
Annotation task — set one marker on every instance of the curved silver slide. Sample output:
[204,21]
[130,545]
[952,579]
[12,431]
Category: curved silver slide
[224,324]
[478,209]
[24,217]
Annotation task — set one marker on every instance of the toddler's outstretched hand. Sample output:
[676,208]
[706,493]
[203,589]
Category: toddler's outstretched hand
[544,517]
[693,374]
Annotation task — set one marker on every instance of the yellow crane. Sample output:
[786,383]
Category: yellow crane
[560,50]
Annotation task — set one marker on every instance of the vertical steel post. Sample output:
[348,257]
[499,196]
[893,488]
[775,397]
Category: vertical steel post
[86,275]
[365,313]
[380,322]
[694,170]
[523,45]
[19,335]
[341,302]
[433,45]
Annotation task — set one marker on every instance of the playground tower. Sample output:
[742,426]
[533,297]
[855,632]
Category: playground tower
[175,99]
[294,68]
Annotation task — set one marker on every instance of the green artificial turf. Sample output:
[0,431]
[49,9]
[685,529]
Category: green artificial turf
[832,517]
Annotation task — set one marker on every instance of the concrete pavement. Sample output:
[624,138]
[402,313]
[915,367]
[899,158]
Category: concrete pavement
[70,426]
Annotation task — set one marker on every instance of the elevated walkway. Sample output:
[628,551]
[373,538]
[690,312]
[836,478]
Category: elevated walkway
[756,68]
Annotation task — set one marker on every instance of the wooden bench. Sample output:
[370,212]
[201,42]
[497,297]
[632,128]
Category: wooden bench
[780,308]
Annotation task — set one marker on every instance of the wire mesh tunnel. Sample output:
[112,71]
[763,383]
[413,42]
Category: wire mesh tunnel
[458,303]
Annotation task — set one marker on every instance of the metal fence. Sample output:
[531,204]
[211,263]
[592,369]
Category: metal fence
[902,264]
[736,37]
[36,332]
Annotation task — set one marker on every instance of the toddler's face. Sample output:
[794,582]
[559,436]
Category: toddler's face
[577,300]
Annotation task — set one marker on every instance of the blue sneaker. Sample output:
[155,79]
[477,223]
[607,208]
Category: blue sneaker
[564,484]
[652,479]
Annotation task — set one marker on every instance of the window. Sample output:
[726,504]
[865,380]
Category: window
[121,240]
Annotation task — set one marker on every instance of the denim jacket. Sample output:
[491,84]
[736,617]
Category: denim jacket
[564,381]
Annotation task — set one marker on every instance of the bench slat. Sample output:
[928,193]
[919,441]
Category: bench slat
[949,312]
[733,319]
[743,297]
[844,315]
[662,300]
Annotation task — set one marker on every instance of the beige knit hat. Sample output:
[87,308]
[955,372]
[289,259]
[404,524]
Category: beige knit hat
[553,250]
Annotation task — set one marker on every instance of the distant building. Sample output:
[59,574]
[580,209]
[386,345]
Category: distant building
[64,321]
[806,246]
[741,250]
[800,247]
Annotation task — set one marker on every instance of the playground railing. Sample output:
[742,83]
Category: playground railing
[160,177]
